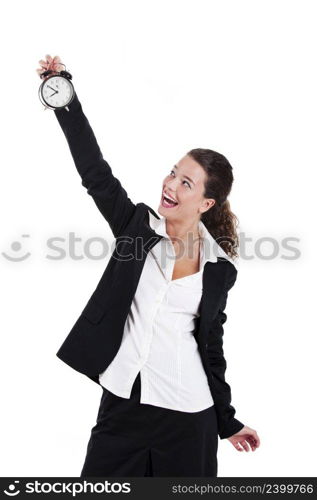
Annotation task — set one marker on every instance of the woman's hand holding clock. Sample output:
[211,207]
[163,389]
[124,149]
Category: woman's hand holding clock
[56,90]
[52,63]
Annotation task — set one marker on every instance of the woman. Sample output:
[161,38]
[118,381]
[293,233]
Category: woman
[151,334]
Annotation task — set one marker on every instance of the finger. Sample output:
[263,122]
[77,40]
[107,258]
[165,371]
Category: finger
[56,63]
[251,442]
[244,445]
[237,446]
[256,439]
[257,443]
[42,62]
[49,58]
[40,71]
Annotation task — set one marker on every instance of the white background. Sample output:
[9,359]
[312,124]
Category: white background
[156,79]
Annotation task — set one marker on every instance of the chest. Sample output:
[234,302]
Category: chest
[176,261]
[185,266]
[161,300]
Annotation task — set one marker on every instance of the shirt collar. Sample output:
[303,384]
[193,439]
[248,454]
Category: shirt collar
[211,249]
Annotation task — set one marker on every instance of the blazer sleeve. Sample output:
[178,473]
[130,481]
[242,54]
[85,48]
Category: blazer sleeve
[97,177]
[227,423]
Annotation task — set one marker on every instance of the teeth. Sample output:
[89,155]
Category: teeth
[169,198]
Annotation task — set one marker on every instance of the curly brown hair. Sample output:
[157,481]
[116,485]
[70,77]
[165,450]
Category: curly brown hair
[220,221]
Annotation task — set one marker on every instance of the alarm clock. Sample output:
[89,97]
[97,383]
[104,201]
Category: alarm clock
[57,90]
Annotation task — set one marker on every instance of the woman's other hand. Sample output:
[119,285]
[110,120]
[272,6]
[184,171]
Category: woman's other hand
[245,439]
[52,63]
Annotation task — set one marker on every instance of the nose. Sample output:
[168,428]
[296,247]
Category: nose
[171,184]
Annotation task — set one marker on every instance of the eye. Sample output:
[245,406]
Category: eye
[173,174]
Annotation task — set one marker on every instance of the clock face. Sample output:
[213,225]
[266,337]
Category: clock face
[57,91]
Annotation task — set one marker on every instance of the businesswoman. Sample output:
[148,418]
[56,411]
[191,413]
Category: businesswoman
[151,333]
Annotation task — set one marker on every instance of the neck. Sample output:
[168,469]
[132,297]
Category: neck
[182,230]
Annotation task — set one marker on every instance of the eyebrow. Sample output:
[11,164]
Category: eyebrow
[186,177]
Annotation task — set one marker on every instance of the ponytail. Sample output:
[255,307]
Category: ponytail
[219,220]
[221,224]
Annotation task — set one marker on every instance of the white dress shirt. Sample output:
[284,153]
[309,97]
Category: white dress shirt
[158,336]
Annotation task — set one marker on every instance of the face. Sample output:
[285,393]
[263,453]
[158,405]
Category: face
[185,184]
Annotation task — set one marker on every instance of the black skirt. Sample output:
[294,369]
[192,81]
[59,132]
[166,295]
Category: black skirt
[131,439]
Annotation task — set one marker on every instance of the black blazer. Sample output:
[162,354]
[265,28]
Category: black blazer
[96,336]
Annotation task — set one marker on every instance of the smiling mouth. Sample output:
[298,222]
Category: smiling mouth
[168,203]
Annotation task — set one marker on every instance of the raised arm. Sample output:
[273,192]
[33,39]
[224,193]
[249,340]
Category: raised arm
[105,189]
[227,423]
[97,177]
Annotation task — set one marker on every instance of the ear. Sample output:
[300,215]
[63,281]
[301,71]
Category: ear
[207,204]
